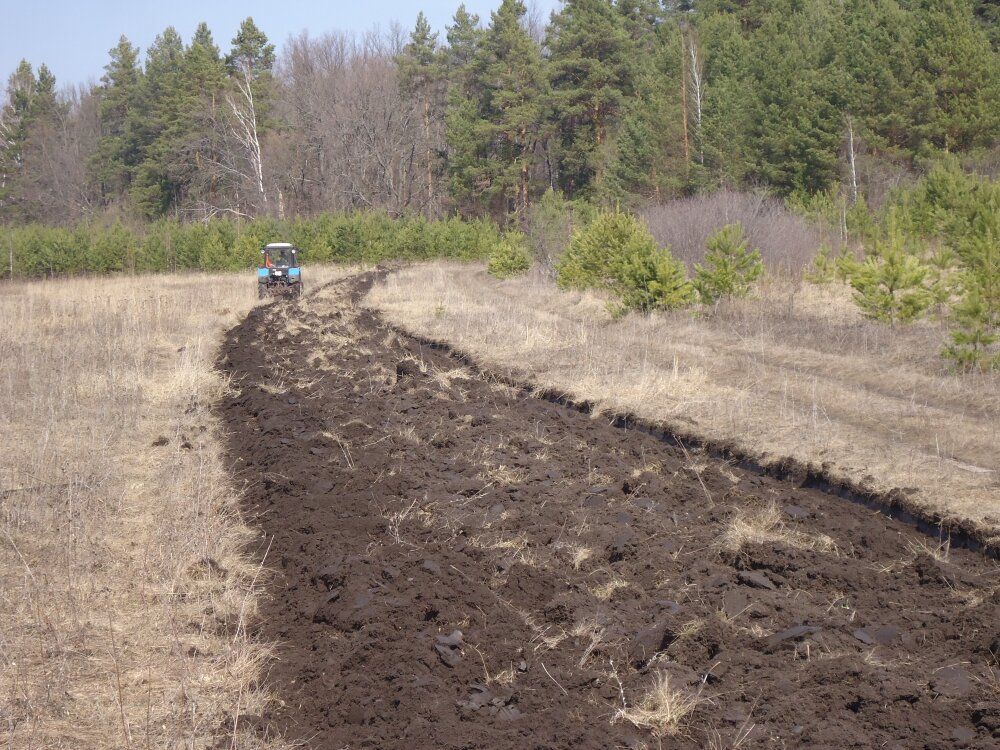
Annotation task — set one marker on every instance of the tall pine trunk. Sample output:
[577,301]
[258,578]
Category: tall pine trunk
[429,158]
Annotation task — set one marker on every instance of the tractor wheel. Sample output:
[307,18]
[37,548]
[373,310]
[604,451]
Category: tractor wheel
[262,291]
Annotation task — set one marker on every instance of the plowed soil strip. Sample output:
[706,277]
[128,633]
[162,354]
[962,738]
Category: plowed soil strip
[458,566]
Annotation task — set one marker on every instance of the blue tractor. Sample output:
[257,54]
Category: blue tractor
[279,273]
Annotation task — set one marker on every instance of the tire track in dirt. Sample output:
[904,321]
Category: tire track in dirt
[458,566]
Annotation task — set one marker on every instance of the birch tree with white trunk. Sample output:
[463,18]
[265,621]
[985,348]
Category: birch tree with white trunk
[245,132]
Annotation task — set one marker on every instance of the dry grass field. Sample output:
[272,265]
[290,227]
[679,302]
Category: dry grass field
[793,372]
[127,576]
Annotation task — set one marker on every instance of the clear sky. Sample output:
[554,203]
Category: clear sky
[73,37]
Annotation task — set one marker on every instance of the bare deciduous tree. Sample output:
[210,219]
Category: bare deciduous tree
[244,131]
[535,22]
[787,242]
[696,70]
[353,141]
[55,186]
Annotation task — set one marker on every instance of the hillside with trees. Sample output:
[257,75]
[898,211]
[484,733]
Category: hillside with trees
[626,101]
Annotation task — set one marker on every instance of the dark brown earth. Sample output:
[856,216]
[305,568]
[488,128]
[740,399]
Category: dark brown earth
[431,589]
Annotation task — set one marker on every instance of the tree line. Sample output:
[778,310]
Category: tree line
[871,117]
[230,244]
[613,101]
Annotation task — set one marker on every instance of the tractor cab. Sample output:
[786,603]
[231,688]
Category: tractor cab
[279,271]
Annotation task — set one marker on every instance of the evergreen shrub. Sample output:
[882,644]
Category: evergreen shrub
[617,254]
[509,257]
[892,284]
[729,267]
[223,244]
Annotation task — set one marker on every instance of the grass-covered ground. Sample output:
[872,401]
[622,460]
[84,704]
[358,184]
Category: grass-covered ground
[127,574]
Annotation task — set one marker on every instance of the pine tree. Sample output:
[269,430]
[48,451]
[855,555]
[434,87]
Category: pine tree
[250,63]
[593,67]
[464,36]
[642,18]
[196,144]
[119,147]
[420,78]
[975,334]
[204,69]
[21,88]
[957,79]
[251,54]
[980,251]
[977,316]
[797,126]
[649,159]
[509,257]
[616,253]
[29,116]
[43,104]
[988,15]
[729,267]
[877,53]
[516,94]
[730,101]
[495,125]
[154,188]
[15,125]
[418,62]
[466,149]
[750,14]
[892,284]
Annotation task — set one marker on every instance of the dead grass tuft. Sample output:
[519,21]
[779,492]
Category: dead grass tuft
[545,635]
[663,708]
[764,525]
[447,378]
[690,629]
[580,555]
[939,552]
[596,478]
[516,546]
[605,591]
[504,476]
[594,637]
[752,526]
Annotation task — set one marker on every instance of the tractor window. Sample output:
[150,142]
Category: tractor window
[281,257]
